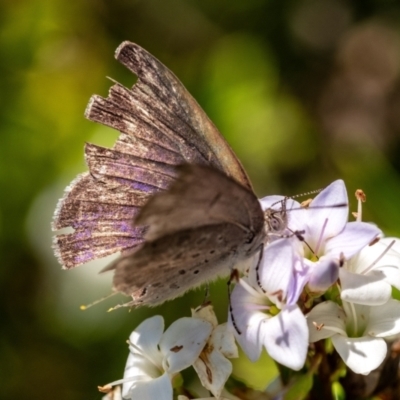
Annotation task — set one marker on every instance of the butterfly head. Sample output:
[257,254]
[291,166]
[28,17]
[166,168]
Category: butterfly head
[276,220]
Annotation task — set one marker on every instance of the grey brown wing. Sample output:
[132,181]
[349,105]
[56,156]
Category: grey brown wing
[198,228]
[200,196]
[168,267]
[160,126]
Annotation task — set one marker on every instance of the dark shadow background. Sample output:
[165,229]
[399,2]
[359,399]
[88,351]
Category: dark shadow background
[305,92]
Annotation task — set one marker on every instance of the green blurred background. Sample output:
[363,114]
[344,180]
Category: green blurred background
[304,91]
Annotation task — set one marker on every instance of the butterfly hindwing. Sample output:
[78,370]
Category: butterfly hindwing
[169,266]
[202,225]
[201,196]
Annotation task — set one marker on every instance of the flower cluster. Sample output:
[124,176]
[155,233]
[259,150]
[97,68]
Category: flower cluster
[156,357]
[321,250]
[323,277]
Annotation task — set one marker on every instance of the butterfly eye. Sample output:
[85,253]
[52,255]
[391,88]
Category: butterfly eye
[276,224]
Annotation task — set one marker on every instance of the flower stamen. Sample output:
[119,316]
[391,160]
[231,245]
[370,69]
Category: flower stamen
[249,289]
[388,247]
[321,236]
[335,329]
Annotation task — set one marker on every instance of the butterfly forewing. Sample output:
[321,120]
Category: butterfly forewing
[161,126]
[101,215]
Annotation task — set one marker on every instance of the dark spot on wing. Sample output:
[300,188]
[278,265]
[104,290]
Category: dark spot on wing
[183,240]
[177,256]
[201,240]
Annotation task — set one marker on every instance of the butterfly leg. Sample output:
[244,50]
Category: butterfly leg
[233,277]
[207,294]
[260,256]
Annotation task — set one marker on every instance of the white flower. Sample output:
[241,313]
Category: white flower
[269,316]
[368,277]
[155,356]
[356,331]
[212,366]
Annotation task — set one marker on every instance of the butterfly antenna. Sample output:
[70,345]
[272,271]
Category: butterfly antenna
[296,196]
[85,307]
[305,194]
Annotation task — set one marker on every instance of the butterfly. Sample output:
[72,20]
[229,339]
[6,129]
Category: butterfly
[170,195]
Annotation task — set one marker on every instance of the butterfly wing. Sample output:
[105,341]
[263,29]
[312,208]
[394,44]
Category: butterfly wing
[161,126]
[203,224]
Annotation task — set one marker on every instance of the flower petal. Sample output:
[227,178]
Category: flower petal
[361,355]
[206,313]
[285,337]
[384,320]
[276,269]
[223,340]
[325,214]
[325,320]
[213,370]
[138,368]
[370,290]
[274,202]
[390,273]
[183,342]
[301,276]
[245,320]
[351,240]
[383,257]
[159,388]
[146,338]
[324,274]
[144,359]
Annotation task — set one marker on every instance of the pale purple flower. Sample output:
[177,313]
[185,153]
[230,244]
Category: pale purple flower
[268,315]
[327,238]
